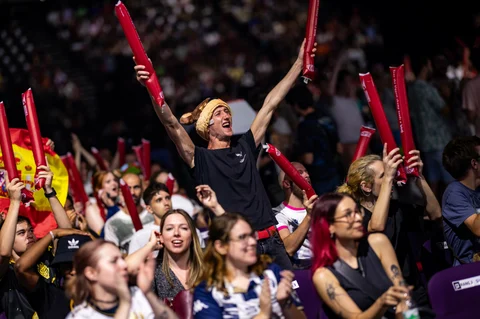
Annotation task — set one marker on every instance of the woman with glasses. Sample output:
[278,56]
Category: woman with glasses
[236,282]
[357,276]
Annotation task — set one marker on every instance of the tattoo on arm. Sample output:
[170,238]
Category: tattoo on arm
[395,271]
[332,295]
[330,292]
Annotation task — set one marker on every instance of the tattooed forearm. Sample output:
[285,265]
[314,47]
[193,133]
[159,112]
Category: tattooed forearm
[396,272]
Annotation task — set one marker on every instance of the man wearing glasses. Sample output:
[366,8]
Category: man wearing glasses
[461,200]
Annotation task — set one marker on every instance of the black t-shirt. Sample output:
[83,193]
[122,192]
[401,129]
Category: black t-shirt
[232,173]
[13,298]
[49,301]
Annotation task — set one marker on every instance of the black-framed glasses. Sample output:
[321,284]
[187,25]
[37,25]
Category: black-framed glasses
[350,216]
[245,237]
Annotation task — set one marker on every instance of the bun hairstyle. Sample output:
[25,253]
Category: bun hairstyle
[202,115]
[192,117]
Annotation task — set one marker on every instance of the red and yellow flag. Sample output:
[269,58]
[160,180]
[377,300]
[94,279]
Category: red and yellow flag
[39,211]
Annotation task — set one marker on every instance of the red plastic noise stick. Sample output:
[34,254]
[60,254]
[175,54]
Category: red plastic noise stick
[8,155]
[132,208]
[139,153]
[75,180]
[146,159]
[141,58]
[35,135]
[170,183]
[310,35]
[99,159]
[366,134]
[121,151]
[403,114]
[289,170]
[381,121]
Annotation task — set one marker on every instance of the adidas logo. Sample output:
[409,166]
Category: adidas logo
[73,244]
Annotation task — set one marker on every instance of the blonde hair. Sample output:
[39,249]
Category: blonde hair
[215,268]
[359,171]
[195,259]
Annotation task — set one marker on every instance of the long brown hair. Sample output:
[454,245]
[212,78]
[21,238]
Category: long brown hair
[195,260]
[79,287]
[215,270]
[359,171]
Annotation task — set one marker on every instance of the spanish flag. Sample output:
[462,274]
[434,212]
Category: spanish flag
[39,211]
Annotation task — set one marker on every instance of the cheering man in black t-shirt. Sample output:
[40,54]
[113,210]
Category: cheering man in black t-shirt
[229,165]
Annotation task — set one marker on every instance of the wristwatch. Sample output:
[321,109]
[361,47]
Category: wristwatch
[53,193]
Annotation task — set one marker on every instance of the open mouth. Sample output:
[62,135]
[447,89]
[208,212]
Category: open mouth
[226,124]
[177,243]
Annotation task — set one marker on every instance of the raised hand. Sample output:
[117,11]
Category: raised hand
[140,73]
[46,173]
[308,203]
[302,50]
[391,161]
[415,161]
[50,144]
[14,189]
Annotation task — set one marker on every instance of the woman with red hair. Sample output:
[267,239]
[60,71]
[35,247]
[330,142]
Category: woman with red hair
[357,276]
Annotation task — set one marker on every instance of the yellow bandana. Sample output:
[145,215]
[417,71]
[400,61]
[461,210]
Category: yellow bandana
[203,121]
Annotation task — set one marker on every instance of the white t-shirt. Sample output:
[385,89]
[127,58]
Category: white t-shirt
[290,217]
[181,202]
[140,308]
[119,228]
[141,238]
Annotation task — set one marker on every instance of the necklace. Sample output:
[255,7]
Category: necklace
[104,301]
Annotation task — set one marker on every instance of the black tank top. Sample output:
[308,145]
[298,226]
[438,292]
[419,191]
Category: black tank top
[370,282]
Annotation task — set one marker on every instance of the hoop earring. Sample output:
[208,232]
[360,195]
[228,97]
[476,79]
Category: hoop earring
[332,235]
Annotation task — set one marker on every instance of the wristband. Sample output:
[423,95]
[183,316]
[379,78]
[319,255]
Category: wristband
[53,236]
[51,194]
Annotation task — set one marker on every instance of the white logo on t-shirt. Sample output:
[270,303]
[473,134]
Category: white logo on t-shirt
[73,244]
[240,155]
[198,306]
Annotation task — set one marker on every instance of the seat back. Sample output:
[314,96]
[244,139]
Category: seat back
[312,304]
[454,292]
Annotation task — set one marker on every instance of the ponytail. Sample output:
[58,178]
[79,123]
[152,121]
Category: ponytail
[345,189]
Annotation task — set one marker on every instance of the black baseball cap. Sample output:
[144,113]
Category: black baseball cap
[67,247]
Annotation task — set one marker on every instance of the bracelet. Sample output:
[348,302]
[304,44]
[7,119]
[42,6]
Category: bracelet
[51,194]
[53,236]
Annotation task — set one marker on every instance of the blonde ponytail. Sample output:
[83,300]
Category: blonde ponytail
[345,189]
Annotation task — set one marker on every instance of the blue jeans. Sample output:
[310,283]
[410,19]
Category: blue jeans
[274,247]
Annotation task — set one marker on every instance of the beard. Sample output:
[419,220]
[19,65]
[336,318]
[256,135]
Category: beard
[297,191]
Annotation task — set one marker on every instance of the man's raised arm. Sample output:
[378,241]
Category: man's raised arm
[175,130]
[276,95]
